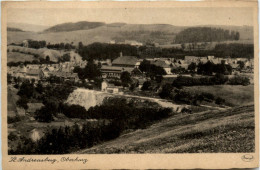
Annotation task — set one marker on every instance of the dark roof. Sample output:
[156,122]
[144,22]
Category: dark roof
[125,60]
[160,63]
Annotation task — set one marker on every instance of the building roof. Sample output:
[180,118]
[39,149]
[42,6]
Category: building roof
[105,68]
[125,60]
[64,74]
[234,65]
[160,63]
[191,57]
[32,107]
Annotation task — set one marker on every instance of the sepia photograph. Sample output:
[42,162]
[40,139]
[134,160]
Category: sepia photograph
[129,80]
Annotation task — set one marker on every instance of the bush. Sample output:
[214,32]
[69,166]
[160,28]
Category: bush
[73,111]
[166,91]
[146,86]
[22,102]
[239,80]
[186,110]
[13,119]
[207,96]
[44,115]
[12,136]
[220,101]
[183,97]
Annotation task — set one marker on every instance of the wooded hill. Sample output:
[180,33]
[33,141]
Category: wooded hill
[205,34]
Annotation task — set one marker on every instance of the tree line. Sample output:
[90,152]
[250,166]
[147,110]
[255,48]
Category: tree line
[120,113]
[205,34]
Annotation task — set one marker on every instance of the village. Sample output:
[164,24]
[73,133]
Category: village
[59,88]
[112,70]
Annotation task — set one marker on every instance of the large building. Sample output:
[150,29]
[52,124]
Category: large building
[119,65]
[125,61]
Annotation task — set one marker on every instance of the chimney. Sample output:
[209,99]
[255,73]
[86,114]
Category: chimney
[121,54]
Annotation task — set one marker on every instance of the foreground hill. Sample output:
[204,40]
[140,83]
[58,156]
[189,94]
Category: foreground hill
[208,131]
[89,32]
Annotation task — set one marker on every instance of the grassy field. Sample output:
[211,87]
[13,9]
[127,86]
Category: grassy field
[204,132]
[234,95]
[16,56]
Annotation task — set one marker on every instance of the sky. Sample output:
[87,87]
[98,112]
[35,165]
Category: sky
[175,16]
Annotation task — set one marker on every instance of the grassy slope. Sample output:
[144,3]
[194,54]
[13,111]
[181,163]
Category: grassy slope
[209,131]
[105,34]
[234,95]
[16,56]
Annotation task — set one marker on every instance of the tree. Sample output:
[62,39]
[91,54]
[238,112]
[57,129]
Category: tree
[125,78]
[39,87]
[47,59]
[145,66]
[65,57]
[91,70]
[22,102]
[9,78]
[241,64]
[220,101]
[43,115]
[26,89]
[192,66]
[237,36]
[166,91]
[80,46]
[183,46]
[80,71]
[146,86]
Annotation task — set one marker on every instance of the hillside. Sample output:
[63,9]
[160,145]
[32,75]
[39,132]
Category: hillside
[27,27]
[89,32]
[83,25]
[207,131]
[14,29]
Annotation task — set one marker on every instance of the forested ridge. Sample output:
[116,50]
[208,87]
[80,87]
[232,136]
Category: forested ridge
[205,34]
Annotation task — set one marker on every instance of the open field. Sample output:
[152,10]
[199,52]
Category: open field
[16,57]
[207,131]
[237,95]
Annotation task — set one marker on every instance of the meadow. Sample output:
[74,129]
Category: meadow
[235,95]
[16,57]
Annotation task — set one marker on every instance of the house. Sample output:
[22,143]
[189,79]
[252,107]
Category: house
[119,65]
[111,88]
[65,76]
[32,107]
[162,64]
[210,57]
[136,72]
[47,70]
[191,59]
[235,66]
[26,43]
[36,74]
